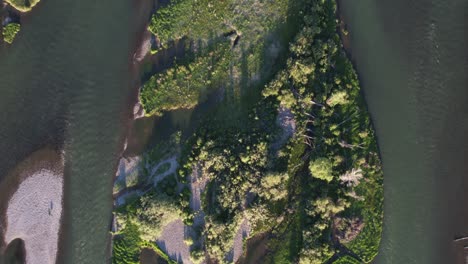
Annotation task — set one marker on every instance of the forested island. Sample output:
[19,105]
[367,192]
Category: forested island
[22,5]
[10,15]
[284,167]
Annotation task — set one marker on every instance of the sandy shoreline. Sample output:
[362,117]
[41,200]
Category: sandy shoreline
[31,206]
[34,214]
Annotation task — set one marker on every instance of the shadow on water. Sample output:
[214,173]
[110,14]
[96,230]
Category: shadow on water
[149,131]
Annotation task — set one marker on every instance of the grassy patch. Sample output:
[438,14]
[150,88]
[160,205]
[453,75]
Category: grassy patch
[185,85]
[126,247]
[128,244]
[366,244]
[346,260]
[232,47]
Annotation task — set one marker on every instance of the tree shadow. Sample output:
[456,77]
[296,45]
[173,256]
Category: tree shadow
[15,252]
[234,105]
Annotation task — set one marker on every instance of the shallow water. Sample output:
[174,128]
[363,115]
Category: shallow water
[65,82]
[412,60]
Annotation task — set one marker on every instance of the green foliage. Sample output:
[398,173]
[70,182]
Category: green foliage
[10,31]
[288,245]
[318,254]
[151,211]
[298,200]
[231,155]
[322,169]
[346,260]
[197,256]
[325,208]
[184,86]
[22,5]
[321,87]
[168,185]
[162,254]
[126,246]
[203,19]
[230,47]
[337,98]
[163,168]
[154,213]
[143,220]
[272,187]
[195,19]
[366,244]
[219,237]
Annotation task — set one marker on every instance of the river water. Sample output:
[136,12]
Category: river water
[413,63]
[65,83]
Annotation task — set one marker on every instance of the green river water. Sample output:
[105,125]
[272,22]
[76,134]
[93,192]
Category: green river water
[66,83]
[412,60]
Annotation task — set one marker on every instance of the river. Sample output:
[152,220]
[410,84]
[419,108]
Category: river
[67,83]
[67,80]
[413,63]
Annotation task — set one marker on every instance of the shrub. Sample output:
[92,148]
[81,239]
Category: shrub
[126,246]
[10,31]
[322,169]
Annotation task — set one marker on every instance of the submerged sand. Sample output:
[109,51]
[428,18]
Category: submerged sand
[33,215]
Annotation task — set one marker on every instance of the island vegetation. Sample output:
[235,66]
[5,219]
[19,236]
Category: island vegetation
[9,32]
[23,5]
[289,149]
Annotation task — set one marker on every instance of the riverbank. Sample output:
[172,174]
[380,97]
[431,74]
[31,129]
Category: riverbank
[412,61]
[32,207]
[33,215]
[23,5]
[139,48]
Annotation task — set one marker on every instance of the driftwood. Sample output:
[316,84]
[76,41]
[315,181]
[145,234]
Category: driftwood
[350,146]
[315,103]
[460,239]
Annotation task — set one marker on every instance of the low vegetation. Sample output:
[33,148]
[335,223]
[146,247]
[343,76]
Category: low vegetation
[320,86]
[228,47]
[127,246]
[346,260]
[10,31]
[315,198]
[23,5]
[184,85]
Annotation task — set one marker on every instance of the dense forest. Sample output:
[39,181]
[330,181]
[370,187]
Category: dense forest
[289,150]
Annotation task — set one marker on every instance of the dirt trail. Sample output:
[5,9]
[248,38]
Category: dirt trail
[287,124]
[238,247]
[121,197]
[172,242]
